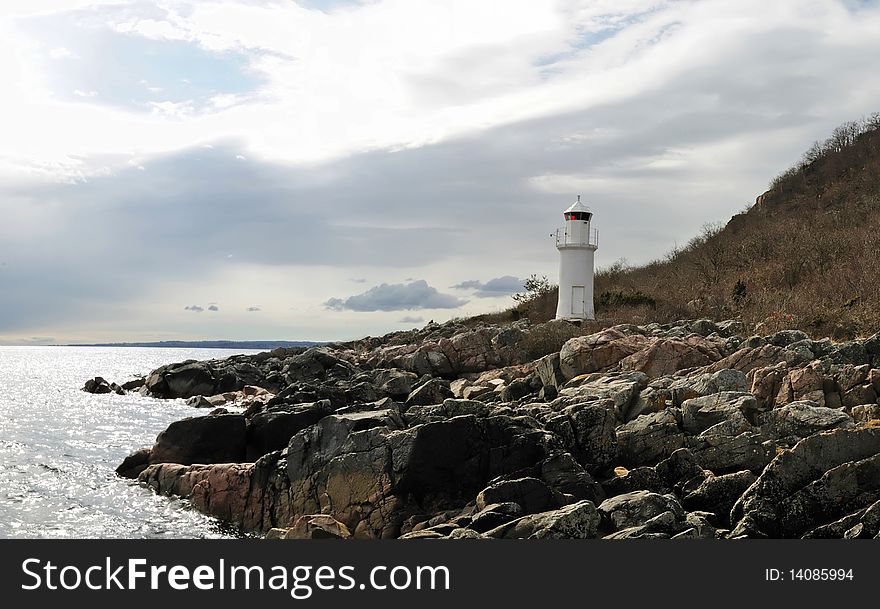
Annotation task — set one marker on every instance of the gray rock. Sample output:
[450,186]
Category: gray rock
[731,446]
[594,435]
[703,327]
[699,414]
[549,372]
[717,494]
[208,439]
[727,379]
[134,464]
[563,474]
[838,491]
[731,327]
[495,515]
[97,385]
[662,526]
[575,521]
[636,508]
[531,494]
[432,392]
[199,401]
[759,512]
[272,430]
[395,383]
[802,419]
[649,438]
[621,389]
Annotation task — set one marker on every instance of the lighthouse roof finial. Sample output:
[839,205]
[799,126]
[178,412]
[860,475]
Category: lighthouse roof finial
[577,206]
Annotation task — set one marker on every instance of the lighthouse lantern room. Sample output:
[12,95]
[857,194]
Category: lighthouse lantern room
[577,244]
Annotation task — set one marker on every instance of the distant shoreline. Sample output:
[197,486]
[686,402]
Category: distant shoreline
[207,344]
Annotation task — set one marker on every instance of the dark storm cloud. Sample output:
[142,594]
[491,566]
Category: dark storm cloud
[194,308]
[213,307]
[253,309]
[397,297]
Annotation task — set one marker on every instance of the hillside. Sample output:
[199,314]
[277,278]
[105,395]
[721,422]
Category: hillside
[802,257]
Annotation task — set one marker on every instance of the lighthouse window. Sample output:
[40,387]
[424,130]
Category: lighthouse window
[578,215]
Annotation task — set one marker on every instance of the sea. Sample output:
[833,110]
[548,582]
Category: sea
[60,445]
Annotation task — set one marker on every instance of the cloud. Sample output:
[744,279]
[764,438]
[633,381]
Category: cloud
[500,286]
[471,284]
[415,154]
[409,319]
[254,309]
[397,297]
[213,307]
[194,308]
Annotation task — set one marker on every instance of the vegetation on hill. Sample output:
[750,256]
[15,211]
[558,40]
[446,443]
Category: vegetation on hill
[803,256]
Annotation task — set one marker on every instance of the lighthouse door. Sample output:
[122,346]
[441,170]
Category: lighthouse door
[578,304]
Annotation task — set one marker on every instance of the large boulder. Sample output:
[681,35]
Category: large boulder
[531,494]
[767,383]
[717,494]
[395,383]
[649,438]
[575,521]
[768,508]
[189,380]
[633,509]
[732,445]
[208,439]
[549,371]
[670,355]
[470,352]
[562,473]
[723,380]
[134,464]
[371,480]
[699,414]
[803,419]
[595,441]
[317,363]
[432,392]
[271,430]
[748,359]
[805,383]
[312,526]
[99,385]
[221,490]
[622,389]
[584,354]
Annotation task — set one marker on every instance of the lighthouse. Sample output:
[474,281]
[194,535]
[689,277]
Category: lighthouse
[576,243]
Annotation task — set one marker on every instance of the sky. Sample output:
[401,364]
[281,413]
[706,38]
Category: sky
[323,170]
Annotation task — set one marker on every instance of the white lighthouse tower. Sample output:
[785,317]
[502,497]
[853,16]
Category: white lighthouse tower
[576,243]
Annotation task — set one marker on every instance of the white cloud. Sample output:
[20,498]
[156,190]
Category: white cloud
[393,74]
[664,115]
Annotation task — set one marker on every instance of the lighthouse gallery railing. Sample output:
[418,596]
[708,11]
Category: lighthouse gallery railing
[564,238]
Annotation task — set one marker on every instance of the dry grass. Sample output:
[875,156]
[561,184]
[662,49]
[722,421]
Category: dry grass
[802,257]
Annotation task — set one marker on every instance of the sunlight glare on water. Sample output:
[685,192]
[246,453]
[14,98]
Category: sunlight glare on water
[59,445]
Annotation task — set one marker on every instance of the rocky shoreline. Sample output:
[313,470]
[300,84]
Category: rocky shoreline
[683,430]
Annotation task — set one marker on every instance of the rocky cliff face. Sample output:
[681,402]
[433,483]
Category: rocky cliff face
[686,429]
